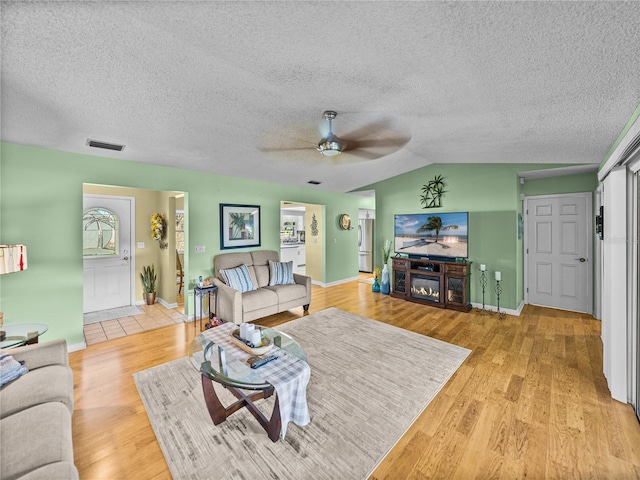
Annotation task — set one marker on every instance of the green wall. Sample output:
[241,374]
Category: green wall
[491,195]
[41,206]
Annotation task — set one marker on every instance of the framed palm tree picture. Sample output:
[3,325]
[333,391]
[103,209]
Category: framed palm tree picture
[239,226]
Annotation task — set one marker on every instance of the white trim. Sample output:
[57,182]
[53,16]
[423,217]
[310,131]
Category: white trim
[508,311]
[337,282]
[74,347]
[616,156]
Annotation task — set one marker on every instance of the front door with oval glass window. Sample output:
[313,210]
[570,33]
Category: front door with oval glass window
[106,252]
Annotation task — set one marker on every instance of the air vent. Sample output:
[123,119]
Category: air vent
[314,182]
[105,145]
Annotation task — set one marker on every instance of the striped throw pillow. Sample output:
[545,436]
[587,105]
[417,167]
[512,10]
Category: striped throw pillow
[238,278]
[281,273]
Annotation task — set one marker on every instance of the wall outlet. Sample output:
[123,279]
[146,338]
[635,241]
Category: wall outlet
[199,248]
[140,244]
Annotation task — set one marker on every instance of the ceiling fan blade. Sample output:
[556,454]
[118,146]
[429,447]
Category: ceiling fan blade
[371,129]
[312,147]
[363,154]
[397,142]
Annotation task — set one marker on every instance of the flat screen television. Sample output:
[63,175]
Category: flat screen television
[432,235]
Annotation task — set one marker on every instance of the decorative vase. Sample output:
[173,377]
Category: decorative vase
[385,287]
[150,298]
[375,287]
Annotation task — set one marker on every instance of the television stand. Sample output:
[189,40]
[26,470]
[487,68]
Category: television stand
[437,283]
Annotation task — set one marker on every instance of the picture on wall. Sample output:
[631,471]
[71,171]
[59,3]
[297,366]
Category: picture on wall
[239,226]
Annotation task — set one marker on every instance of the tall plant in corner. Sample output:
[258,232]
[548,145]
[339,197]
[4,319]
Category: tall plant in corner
[149,279]
[386,253]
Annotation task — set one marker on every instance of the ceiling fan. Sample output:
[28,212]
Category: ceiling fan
[370,141]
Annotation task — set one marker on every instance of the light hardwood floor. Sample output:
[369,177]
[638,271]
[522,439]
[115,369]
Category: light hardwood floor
[529,402]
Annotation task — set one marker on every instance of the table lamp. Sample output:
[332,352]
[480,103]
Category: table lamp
[13,258]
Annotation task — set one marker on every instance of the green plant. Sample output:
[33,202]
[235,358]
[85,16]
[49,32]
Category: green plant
[148,277]
[377,272]
[386,251]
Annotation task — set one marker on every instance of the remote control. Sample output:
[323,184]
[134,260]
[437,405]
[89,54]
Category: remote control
[256,362]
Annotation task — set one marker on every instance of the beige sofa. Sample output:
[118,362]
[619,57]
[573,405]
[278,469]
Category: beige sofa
[35,416]
[237,307]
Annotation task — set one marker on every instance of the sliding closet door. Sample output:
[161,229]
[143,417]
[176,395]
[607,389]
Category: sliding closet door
[635,348]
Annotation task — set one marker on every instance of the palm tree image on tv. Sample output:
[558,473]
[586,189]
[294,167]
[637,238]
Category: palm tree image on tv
[435,223]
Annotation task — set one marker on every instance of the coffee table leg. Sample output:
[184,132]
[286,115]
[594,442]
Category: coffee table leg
[219,413]
[216,410]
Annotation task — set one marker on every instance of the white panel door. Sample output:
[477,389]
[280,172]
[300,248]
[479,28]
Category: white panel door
[558,251]
[107,271]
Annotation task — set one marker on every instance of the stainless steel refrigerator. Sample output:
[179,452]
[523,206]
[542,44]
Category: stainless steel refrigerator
[365,244]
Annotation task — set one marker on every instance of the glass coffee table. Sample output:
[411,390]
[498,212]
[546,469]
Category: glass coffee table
[20,334]
[219,359]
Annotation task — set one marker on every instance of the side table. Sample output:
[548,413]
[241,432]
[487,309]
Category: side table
[199,293]
[22,334]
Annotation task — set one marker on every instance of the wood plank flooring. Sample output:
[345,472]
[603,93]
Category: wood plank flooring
[529,402]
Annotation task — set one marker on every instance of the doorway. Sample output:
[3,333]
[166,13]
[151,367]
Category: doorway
[108,264]
[558,240]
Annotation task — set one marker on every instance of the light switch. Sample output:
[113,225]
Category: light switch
[199,248]
[140,244]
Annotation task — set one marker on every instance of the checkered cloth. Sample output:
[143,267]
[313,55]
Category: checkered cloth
[289,375]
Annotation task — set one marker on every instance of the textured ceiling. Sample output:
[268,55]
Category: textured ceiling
[220,86]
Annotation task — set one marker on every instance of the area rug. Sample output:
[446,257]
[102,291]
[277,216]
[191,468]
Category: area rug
[369,382]
[110,314]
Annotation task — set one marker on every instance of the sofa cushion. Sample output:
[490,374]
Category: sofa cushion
[287,293]
[281,273]
[239,278]
[258,299]
[10,369]
[261,260]
[53,383]
[230,260]
[35,437]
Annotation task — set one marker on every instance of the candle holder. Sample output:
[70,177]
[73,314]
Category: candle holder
[498,289]
[483,284]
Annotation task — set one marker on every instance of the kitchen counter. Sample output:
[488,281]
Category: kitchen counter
[291,244]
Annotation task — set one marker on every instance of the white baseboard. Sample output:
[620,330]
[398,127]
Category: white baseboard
[77,346]
[338,282]
[508,311]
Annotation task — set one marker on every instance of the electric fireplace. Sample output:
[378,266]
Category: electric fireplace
[425,287]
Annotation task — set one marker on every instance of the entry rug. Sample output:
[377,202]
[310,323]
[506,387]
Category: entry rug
[369,382]
[112,313]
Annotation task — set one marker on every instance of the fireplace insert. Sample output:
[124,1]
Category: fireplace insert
[425,287]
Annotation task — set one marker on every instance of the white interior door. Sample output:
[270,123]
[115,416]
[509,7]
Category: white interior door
[107,263]
[558,251]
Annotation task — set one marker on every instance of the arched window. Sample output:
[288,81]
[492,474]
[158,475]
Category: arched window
[99,233]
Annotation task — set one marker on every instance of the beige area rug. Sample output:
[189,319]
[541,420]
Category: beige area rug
[369,382]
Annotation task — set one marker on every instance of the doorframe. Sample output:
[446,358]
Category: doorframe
[589,221]
[132,235]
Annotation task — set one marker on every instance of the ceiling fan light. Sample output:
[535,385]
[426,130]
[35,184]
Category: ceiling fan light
[330,148]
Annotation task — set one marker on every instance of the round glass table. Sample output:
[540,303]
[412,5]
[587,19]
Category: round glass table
[22,334]
[221,360]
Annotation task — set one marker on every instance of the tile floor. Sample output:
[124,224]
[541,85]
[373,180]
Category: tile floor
[153,316]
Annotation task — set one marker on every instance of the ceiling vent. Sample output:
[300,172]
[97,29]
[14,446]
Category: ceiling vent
[105,145]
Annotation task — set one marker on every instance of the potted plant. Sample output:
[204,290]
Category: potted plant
[149,277]
[376,280]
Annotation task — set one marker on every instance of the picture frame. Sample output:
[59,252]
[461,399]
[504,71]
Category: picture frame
[239,226]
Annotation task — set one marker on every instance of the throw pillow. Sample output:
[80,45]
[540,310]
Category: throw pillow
[10,369]
[281,273]
[239,278]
